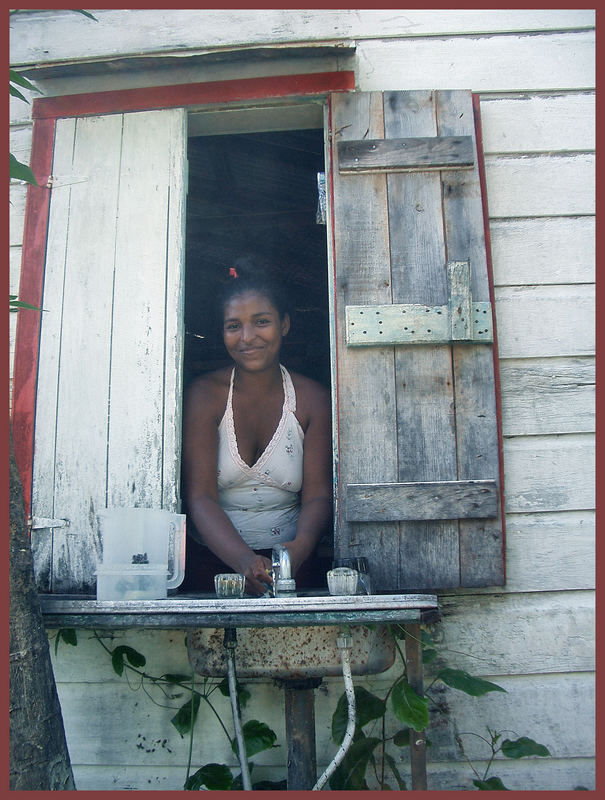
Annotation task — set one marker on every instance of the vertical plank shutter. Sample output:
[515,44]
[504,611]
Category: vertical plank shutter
[107,429]
[418,482]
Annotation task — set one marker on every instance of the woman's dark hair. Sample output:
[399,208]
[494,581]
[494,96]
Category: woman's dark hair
[251,275]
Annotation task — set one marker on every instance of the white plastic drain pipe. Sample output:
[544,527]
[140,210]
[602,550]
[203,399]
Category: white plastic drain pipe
[230,642]
[345,644]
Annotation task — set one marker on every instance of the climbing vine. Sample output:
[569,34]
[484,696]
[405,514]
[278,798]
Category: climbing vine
[366,759]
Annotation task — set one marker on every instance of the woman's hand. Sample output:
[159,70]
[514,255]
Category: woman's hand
[256,570]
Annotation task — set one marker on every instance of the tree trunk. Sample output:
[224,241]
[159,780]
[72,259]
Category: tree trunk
[39,759]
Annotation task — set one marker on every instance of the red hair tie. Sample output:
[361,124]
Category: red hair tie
[233,272]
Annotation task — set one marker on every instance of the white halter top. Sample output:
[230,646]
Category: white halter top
[263,500]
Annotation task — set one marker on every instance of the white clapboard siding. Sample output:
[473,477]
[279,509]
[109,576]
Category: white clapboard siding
[543,707]
[543,250]
[550,395]
[20,140]
[518,775]
[483,64]
[514,633]
[18,193]
[90,293]
[546,552]
[101,730]
[527,774]
[130,31]
[546,123]
[545,321]
[540,186]
[549,473]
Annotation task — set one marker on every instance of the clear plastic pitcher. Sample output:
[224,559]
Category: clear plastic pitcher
[144,536]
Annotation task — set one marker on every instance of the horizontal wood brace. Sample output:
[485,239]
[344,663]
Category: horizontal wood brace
[413,323]
[406,155]
[383,502]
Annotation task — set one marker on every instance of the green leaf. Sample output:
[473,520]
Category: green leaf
[134,658]
[350,773]
[367,708]
[15,305]
[20,172]
[258,736]
[243,695]
[69,636]
[86,13]
[185,717]
[459,679]
[402,738]
[16,77]
[428,656]
[14,92]
[409,707]
[491,784]
[523,747]
[393,766]
[215,777]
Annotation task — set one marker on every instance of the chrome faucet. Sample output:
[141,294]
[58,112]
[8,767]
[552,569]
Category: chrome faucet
[284,584]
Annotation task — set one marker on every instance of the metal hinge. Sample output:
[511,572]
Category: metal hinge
[45,522]
[461,320]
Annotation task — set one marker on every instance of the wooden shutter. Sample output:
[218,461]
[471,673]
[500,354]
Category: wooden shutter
[107,425]
[418,453]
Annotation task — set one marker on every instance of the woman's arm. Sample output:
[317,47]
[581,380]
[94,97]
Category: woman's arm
[203,409]
[316,498]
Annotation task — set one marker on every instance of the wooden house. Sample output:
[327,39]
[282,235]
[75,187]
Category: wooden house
[457,152]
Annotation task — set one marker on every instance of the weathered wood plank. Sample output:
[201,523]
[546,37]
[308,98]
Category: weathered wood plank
[491,626]
[552,774]
[367,403]
[424,386]
[406,155]
[414,501]
[81,370]
[545,321]
[550,551]
[549,473]
[541,396]
[546,250]
[538,124]
[96,366]
[129,31]
[481,552]
[138,393]
[540,186]
[484,64]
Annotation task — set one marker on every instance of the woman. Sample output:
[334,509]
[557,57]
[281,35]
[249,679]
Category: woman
[256,446]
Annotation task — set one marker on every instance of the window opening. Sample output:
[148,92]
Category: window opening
[256,193]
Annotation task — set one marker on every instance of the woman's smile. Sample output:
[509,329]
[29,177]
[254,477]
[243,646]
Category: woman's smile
[253,330]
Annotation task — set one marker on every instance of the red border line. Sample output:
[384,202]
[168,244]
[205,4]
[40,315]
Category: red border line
[492,297]
[192,94]
[30,291]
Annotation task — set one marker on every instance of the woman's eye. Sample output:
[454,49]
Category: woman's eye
[231,326]
[263,321]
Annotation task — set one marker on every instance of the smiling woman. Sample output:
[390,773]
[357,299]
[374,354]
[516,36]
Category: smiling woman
[256,447]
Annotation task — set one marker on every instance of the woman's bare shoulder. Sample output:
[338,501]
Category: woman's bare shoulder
[311,396]
[209,392]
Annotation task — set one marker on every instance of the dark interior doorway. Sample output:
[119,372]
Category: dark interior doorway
[257,194]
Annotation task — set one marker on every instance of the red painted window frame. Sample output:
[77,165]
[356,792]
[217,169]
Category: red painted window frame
[45,113]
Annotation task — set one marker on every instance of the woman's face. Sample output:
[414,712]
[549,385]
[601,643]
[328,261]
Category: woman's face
[253,331]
